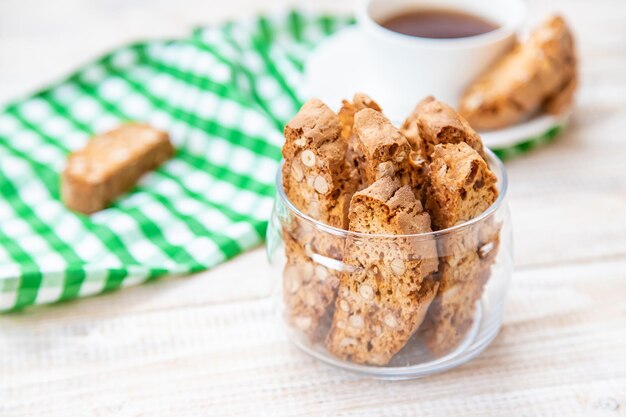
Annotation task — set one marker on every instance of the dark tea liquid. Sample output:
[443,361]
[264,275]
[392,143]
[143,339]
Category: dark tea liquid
[439,24]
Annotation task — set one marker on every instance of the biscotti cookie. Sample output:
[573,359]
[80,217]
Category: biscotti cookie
[309,287]
[461,187]
[386,152]
[464,269]
[433,122]
[316,177]
[348,109]
[451,314]
[531,75]
[562,99]
[383,298]
[317,181]
[354,154]
[111,164]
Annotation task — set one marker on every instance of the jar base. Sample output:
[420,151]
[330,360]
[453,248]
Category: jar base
[414,361]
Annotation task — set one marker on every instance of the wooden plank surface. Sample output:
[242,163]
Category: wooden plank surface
[210,345]
[154,350]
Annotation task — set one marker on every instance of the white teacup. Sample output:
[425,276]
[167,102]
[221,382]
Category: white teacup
[414,67]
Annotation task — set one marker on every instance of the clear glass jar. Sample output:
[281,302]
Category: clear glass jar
[388,321]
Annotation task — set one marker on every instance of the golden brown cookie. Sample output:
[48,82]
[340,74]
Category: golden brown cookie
[383,299]
[433,122]
[317,181]
[540,71]
[348,109]
[461,185]
[461,188]
[385,151]
[111,164]
[316,177]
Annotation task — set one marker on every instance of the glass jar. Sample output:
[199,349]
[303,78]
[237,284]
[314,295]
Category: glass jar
[424,304]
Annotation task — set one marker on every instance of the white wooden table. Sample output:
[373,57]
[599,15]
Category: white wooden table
[209,345]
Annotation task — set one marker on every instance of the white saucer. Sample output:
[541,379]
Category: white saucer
[341,66]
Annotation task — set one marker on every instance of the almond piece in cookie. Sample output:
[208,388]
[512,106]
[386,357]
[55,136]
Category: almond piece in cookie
[111,164]
[384,298]
[530,76]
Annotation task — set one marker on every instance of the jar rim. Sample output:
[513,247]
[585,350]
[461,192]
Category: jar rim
[493,161]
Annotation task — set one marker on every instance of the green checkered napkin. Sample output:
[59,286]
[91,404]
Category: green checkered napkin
[224,95]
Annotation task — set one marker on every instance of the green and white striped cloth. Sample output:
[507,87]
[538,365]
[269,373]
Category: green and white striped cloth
[223,94]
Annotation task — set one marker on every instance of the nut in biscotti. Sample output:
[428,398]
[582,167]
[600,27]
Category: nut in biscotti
[433,122]
[539,72]
[383,299]
[111,164]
